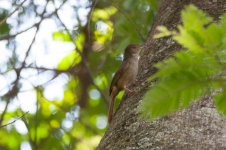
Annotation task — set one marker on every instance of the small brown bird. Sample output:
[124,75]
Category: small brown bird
[125,75]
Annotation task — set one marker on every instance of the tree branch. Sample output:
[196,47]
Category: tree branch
[18,118]
[90,17]
[84,62]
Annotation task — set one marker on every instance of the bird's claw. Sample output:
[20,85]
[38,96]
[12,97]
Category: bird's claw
[128,90]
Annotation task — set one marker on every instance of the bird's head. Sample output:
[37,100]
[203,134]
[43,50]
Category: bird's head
[132,50]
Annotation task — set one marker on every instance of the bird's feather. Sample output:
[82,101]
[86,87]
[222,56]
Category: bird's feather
[118,74]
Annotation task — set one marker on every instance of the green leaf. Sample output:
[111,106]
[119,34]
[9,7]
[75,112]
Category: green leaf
[181,80]
[70,60]
[213,37]
[172,93]
[79,41]
[103,14]
[189,40]
[223,28]
[194,19]
[61,36]
[4,29]
[220,100]
[163,32]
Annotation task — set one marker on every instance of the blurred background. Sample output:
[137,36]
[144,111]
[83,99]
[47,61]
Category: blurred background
[56,63]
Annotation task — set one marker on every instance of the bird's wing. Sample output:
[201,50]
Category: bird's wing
[118,74]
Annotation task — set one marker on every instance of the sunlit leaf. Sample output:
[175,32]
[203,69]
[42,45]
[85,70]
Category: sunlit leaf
[220,100]
[104,36]
[163,32]
[69,60]
[42,131]
[61,36]
[103,14]
[194,19]
[79,41]
[54,124]
[69,97]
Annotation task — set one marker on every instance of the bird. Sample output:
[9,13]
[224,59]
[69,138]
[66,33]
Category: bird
[125,75]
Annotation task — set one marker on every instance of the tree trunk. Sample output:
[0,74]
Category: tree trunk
[198,127]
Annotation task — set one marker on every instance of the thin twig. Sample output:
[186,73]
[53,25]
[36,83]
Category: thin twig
[4,20]
[29,130]
[4,112]
[7,37]
[50,69]
[18,118]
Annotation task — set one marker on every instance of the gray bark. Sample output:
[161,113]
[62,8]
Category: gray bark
[198,127]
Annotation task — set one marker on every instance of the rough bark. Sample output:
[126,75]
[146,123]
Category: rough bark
[198,127]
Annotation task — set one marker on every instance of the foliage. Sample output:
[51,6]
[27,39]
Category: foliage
[195,71]
[97,33]
[5,27]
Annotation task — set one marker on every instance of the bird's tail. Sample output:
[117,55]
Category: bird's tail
[111,108]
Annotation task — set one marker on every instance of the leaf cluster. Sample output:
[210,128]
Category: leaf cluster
[195,71]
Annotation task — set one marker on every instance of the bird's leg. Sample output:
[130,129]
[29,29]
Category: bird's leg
[128,90]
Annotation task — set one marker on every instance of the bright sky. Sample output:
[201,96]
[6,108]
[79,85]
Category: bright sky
[46,53]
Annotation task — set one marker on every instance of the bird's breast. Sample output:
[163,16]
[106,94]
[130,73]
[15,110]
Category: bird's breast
[129,75]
